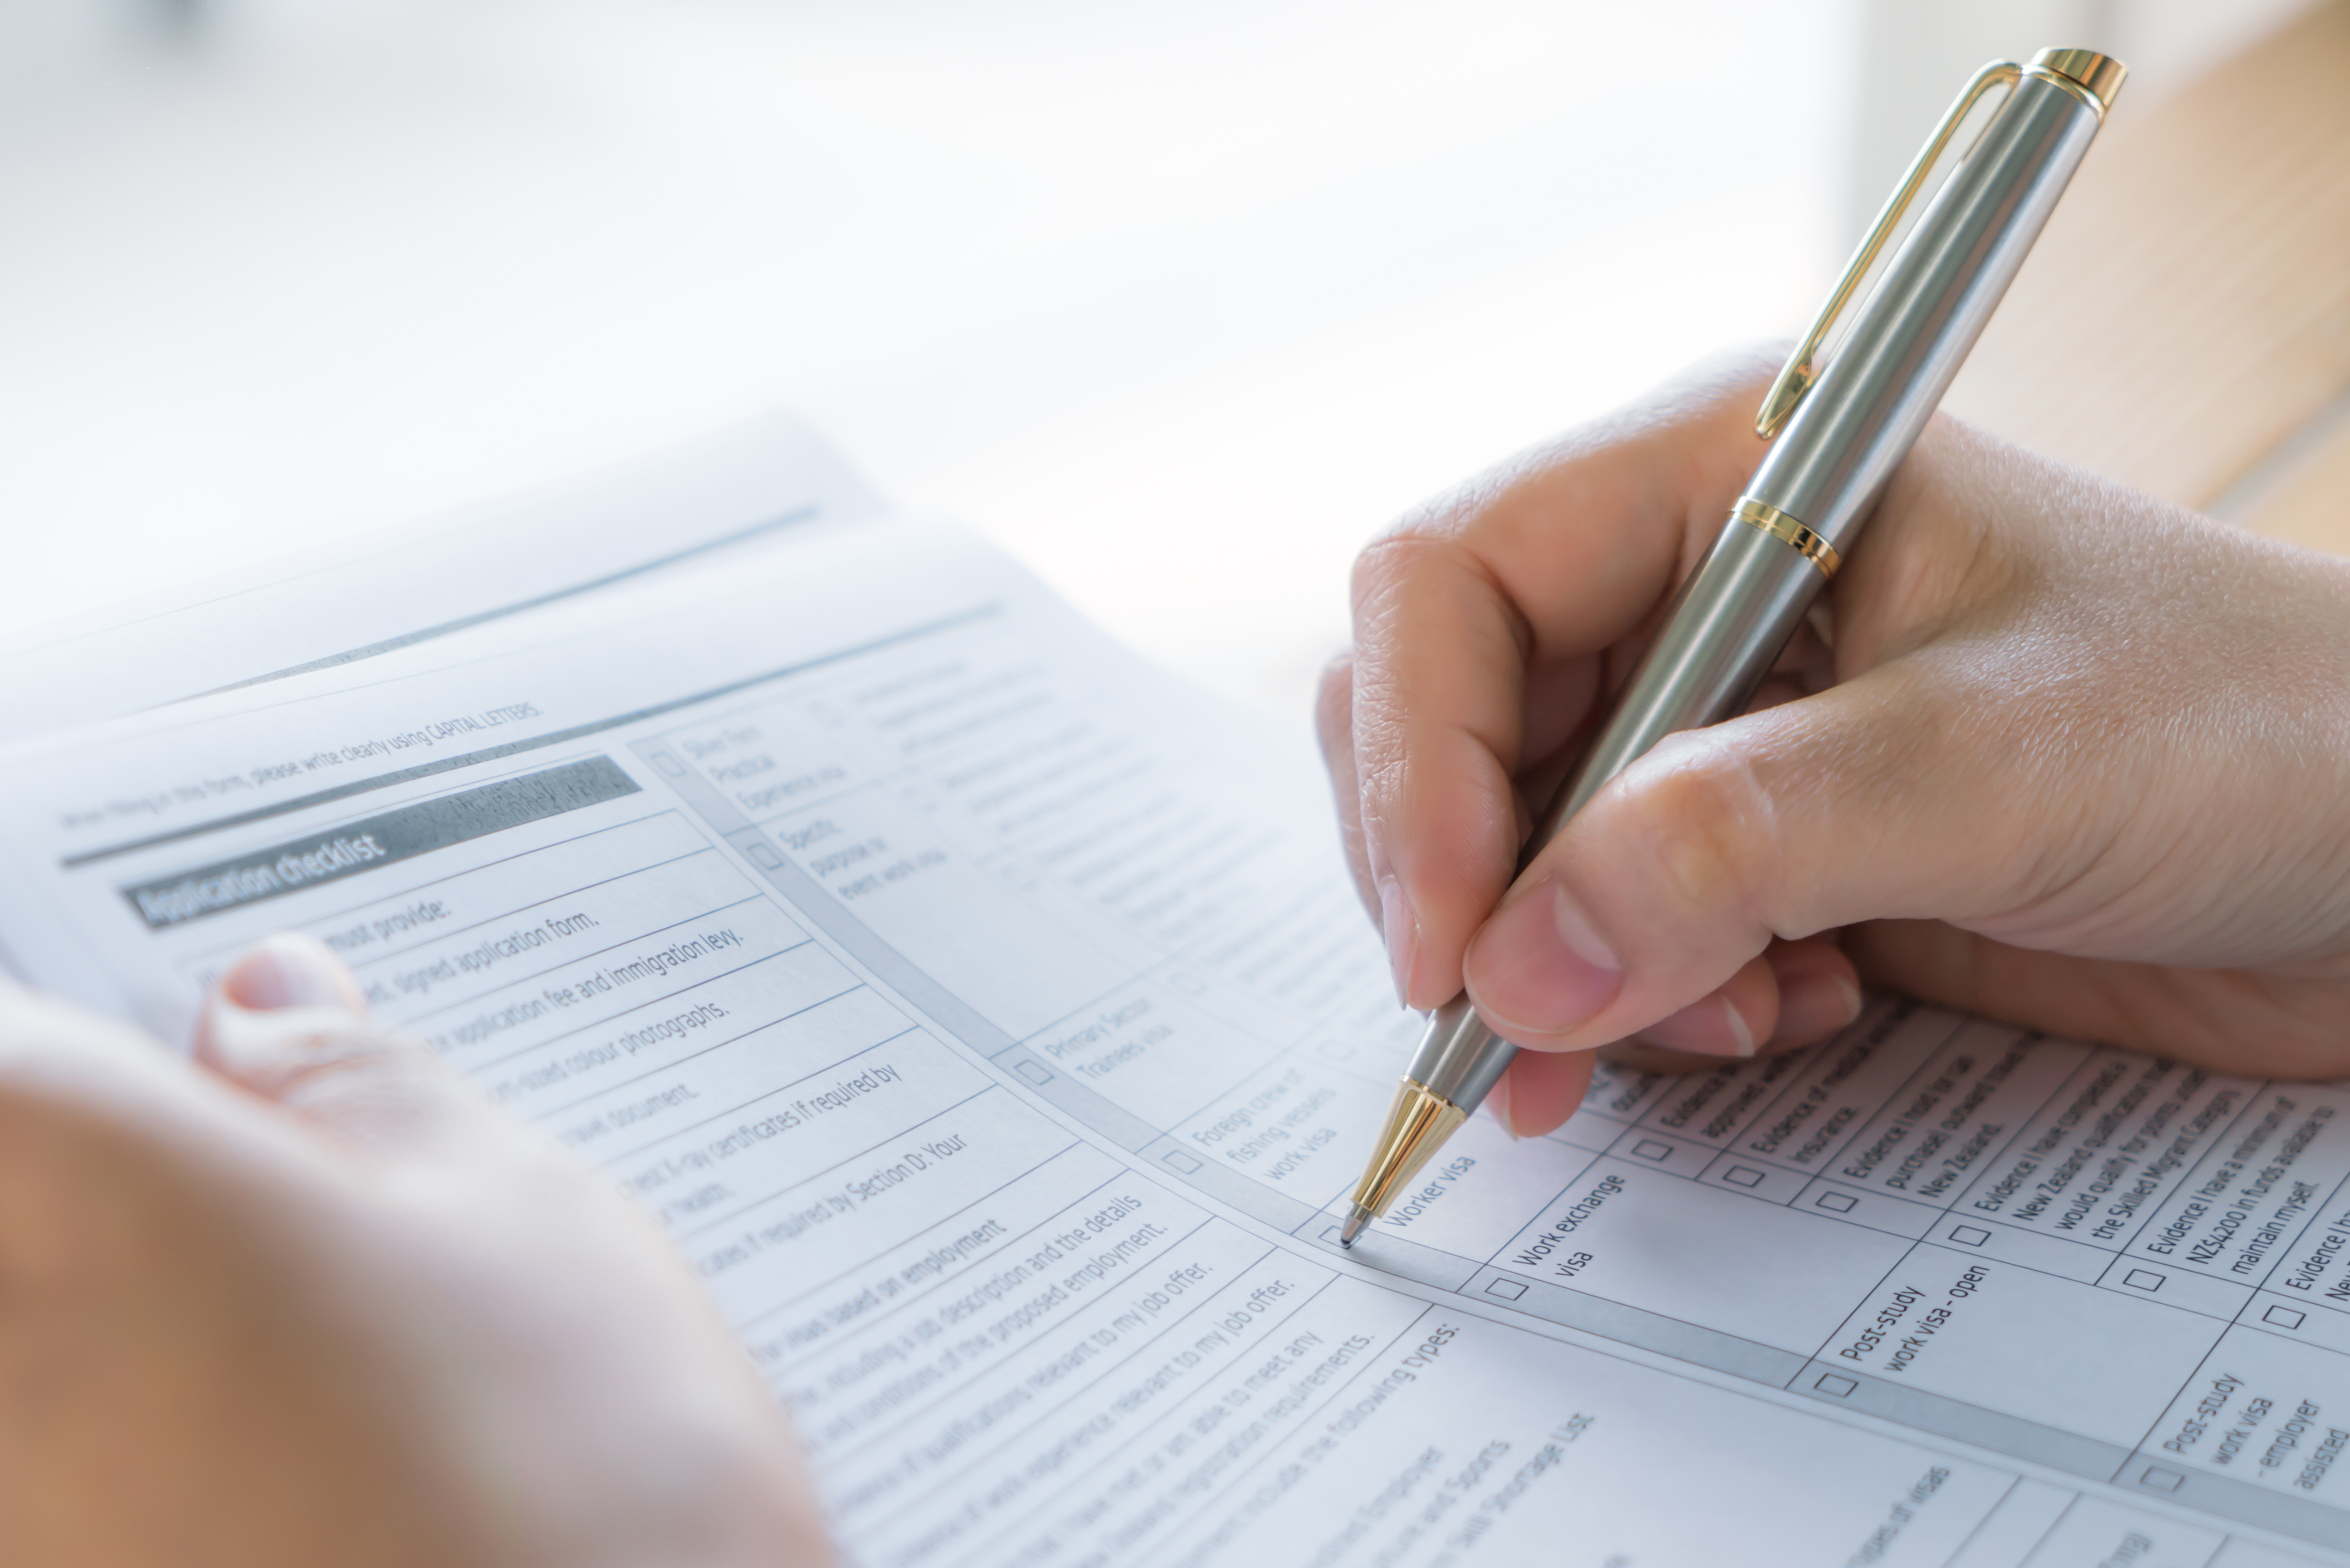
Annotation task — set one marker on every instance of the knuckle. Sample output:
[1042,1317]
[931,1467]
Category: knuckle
[354,1048]
[360,1069]
[1694,809]
[301,1053]
[1384,568]
[1334,702]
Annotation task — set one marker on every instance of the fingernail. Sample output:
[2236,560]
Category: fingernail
[1402,929]
[1497,1100]
[1741,1035]
[1709,1026]
[1541,966]
[1812,1006]
[291,970]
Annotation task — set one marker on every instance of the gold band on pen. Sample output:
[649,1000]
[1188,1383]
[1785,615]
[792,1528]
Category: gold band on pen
[2098,76]
[1787,531]
[2059,80]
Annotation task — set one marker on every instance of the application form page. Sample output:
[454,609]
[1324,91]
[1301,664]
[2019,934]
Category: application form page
[991,1022]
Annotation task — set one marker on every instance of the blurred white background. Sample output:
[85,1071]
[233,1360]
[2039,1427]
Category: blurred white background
[1178,303]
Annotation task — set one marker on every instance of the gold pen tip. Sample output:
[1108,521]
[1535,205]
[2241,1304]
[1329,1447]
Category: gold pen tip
[1353,1226]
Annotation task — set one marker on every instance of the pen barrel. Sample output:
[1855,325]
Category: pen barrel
[1882,383]
[1727,625]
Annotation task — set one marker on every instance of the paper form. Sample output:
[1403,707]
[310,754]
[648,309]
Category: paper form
[991,1023]
[736,490]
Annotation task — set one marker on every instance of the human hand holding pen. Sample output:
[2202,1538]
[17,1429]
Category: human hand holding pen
[2066,756]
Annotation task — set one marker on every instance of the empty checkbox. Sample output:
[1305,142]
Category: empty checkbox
[2156,1478]
[1830,1383]
[2284,1316]
[1835,1203]
[1508,1290]
[1036,1072]
[766,858]
[1180,1161]
[1650,1149]
[2143,1280]
[1743,1175]
[1969,1235]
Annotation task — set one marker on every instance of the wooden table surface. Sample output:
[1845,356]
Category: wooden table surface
[2184,325]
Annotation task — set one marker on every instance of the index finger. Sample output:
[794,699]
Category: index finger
[1483,627]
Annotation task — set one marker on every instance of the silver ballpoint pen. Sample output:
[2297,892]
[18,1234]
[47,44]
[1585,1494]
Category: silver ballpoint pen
[1841,432]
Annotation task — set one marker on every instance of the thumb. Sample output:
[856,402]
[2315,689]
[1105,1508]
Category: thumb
[1868,800]
[288,1023]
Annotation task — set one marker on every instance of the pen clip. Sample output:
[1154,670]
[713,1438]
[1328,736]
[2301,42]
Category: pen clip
[1796,379]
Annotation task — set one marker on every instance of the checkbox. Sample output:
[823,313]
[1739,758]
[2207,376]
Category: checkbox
[2284,1316]
[1969,1235]
[1743,1175]
[669,765]
[765,858]
[2143,1280]
[1330,1234]
[1036,1072]
[1835,1203]
[1650,1149]
[1830,1383]
[1178,1161]
[2156,1478]
[1508,1290]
